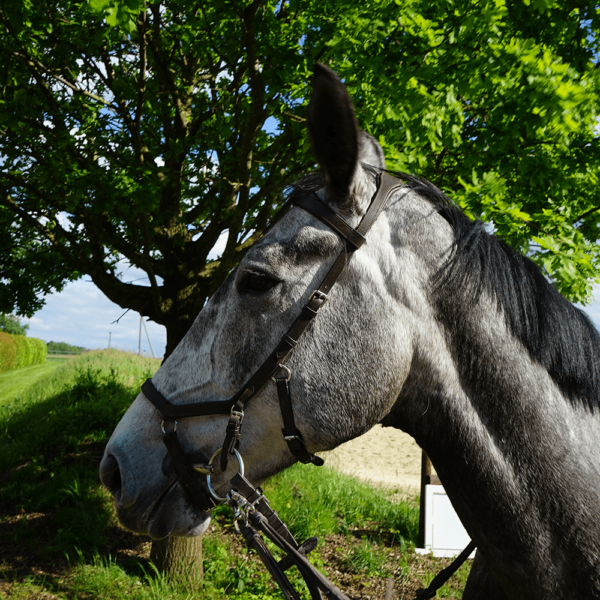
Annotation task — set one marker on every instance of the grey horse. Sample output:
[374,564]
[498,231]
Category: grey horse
[436,328]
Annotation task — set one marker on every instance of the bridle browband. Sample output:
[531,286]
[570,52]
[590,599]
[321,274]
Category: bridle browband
[252,512]
[273,367]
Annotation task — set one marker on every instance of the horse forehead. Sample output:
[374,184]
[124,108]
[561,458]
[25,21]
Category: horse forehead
[295,239]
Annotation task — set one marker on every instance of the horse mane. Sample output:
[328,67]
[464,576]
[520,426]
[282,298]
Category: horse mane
[555,333]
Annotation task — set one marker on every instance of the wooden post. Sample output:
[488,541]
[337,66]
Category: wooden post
[425,478]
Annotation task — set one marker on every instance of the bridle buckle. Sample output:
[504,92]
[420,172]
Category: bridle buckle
[237,413]
[319,295]
[287,377]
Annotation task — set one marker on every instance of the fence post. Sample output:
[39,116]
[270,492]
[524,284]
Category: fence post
[425,479]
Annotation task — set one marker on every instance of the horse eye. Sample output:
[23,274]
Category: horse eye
[258,283]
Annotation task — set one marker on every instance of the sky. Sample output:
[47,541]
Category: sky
[593,309]
[82,315]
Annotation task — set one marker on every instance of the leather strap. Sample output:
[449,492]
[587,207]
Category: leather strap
[279,534]
[440,579]
[312,576]
[387,186]
[233,433]
[291,434]
[171,411]
[323,213]
[260,502]
[189,481]
[255,542]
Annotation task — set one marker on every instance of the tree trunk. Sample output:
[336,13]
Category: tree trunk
[179,559]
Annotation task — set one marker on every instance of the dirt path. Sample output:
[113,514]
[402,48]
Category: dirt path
[383,456]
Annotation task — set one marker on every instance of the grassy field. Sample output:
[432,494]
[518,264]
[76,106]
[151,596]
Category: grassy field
[59,537]
[14,383]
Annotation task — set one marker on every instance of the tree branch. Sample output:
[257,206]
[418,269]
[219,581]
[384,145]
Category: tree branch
[587,213]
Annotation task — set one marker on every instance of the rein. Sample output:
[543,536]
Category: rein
[252,513]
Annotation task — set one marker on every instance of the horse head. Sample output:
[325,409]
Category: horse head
[347,370]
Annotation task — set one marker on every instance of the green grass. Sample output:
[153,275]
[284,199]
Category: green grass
[52,435]
[367,557]
[50,441]
[321,501]
[15,383]
[449,590]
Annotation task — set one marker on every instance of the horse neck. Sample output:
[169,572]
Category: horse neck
[513,453]
[470,373]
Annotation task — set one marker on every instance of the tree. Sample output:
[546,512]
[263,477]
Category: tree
[136,133]
[12,324]
[64,347]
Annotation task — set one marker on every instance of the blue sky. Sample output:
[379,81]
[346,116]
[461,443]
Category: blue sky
[82,315]
[593,309]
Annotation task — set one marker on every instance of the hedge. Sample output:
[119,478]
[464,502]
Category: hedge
[18,351]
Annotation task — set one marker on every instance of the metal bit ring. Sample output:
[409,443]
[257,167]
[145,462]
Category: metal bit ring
[240,471]
[287,370]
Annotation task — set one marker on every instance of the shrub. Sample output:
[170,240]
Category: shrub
[39,351]
[8,351]
[23,347]
[18,351]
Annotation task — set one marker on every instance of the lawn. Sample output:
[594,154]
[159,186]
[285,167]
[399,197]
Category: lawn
[15,383]
[59,537]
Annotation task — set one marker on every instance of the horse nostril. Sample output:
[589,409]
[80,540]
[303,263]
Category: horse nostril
[110,474]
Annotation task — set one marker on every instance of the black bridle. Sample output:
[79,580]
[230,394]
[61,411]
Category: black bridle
[273,367]
[251,509]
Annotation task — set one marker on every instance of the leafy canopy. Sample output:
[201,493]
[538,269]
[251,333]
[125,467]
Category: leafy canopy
[12,324]
[137,133]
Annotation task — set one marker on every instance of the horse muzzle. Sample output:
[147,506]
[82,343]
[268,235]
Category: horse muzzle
[154,506]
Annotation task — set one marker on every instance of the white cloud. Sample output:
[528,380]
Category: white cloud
[82,315]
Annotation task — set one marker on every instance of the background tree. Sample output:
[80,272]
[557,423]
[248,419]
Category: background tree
[12,324]
[64,347]
[136,134]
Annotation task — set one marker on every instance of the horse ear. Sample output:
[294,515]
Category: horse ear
[335,138]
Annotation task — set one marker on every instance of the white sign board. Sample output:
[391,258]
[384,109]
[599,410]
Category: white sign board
[445,535]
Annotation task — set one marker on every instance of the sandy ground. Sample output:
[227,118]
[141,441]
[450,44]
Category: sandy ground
[383,456]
